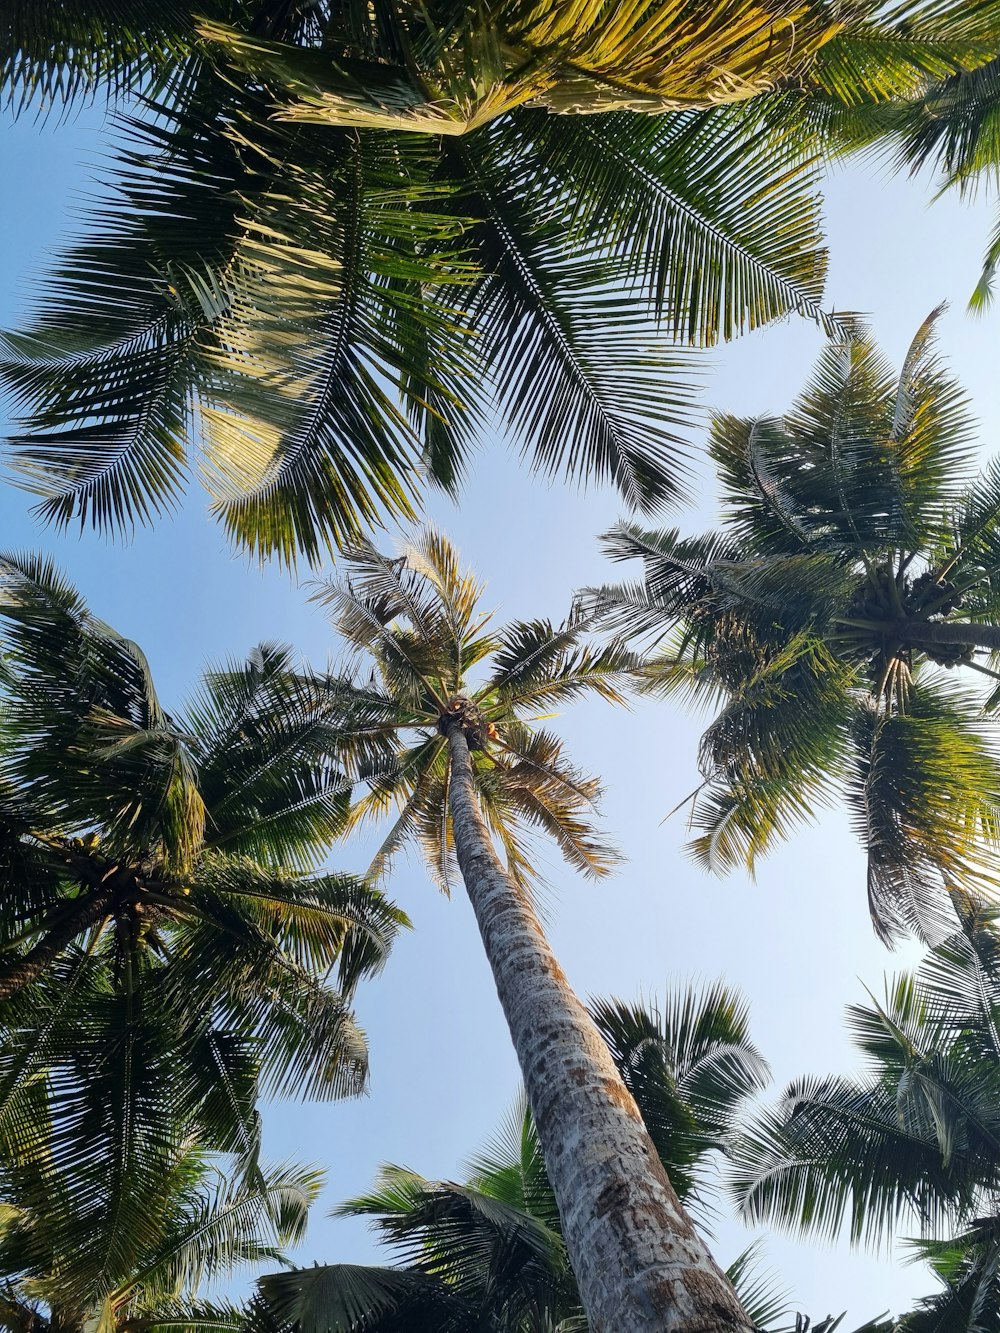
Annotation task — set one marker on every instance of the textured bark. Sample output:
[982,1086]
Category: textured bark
[949,631]
[639,1263]
[29,967]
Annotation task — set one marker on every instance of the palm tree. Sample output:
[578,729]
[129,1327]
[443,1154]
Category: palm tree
[196,1227]
[860,556]
[168,948]
[913,1141]
[291,274]
[462,765]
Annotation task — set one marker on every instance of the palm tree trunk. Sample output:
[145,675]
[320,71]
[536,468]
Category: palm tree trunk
[80,916]
[639,1264]
[949,631]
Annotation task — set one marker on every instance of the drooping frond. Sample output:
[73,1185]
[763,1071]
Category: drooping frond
[532,785]
[215,1231]
[727,210]
[543,309]
[921,796]
[57,57]
[775,751]
[833,1154]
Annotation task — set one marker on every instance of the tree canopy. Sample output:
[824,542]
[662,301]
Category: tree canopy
[340,242]
[857,568]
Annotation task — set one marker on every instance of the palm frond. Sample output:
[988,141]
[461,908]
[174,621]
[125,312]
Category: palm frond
[54,58]
[543,309]
[727,209]
[920,794]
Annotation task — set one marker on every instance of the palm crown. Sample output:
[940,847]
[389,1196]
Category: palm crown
[859,557]
[912,1141]
[332,309]
[115,813]
[417,625]
[166,951]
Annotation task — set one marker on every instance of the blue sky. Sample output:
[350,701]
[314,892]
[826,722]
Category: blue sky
[797,941]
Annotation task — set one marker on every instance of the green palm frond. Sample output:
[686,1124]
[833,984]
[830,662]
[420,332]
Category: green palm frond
[912,1140]
[85,733]
[914,1137]
[510,1167]
[192,1317]
[689,1066]
[54,58]
[954,126]
[793,1167]
[864,460]
[543,309]
[922,802]
[111,1144]
[337,1298]
[910,47]
[197,1229]
[726,206]
[764,1299]
[534,786]
[329,448]
[237,1223]
[314,919]
[262,732]
[968,1267]
[538,664]
[775,751]
[984,290]
[469,1238]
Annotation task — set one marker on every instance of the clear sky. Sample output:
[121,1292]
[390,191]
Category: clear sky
[797,941]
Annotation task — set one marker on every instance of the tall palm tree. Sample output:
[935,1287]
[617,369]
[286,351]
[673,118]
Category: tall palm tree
[489,1253]
[913,1142]
[292,276]
[456,756]
[859,565]
[195,1228]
